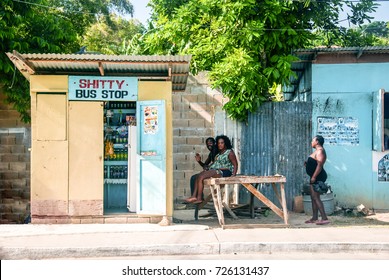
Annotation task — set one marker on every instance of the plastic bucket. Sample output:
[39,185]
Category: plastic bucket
[328,203]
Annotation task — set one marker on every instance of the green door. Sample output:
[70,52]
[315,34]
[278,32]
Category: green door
[151,157]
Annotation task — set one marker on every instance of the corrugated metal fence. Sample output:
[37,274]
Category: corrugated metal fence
[277,141]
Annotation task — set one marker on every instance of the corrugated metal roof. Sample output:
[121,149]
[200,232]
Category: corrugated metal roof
[370,49]
[306,56]
[145,67]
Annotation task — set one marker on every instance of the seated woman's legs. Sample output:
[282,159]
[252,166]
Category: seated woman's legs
[192,189]
[199,184]
[192,183]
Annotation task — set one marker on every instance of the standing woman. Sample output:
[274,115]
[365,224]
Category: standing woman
[314,168]
[225,165]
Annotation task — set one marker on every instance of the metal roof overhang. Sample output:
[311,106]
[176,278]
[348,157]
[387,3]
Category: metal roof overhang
[307,56]
[357,51]
[173,68]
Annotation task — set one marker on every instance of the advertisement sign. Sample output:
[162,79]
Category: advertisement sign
[151,120]
[339,130]
[94,88]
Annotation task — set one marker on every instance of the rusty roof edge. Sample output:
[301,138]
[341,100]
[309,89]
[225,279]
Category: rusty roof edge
[26,63]
[111,58]
[370,49]
[19,63]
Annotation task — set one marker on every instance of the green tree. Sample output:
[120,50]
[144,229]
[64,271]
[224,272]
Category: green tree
[165,7]
[345,37]
[246,44]
[45,26]
[372,34]
[120,37]
[377,28]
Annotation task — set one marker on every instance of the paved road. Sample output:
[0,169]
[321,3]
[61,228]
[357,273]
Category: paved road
[123,240]
[76,251]
[259,256]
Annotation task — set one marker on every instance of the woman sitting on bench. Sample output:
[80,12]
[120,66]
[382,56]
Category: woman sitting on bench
[225,165]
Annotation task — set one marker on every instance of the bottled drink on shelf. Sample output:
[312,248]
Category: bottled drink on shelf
[117,117]
[119,154]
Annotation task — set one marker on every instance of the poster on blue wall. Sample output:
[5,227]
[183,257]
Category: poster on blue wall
[339,130]
[383,169]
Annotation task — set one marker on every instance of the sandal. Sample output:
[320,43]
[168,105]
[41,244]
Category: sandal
[323,222]
[190,199]
[311,221]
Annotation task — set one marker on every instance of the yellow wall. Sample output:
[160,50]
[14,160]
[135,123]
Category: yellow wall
[67,151]
[162,91]
[49,83]
[86,158]
[51,115]
[49,157]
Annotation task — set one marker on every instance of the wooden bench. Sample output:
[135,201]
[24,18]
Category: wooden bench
[198,207]
[248,182]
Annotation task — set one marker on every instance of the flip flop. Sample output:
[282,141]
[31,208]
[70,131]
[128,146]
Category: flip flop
[323,222]
[310,221]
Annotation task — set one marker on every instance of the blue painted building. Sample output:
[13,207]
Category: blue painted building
[349,90]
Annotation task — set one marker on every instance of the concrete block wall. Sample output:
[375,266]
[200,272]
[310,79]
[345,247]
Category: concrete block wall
[15,139]
[193,122]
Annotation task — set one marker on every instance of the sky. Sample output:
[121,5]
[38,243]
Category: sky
[142,12]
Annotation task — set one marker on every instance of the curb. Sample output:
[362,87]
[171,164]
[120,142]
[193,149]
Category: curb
[191,249]
[317,247]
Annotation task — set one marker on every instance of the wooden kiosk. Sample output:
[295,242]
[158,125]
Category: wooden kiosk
[78,103]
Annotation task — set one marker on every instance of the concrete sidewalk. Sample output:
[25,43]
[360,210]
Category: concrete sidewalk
[120,240]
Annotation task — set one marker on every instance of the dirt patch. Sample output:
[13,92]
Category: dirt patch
[295,220]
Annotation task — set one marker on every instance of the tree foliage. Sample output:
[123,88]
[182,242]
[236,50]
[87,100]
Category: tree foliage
[246,44]
[372,34]
[45,26]
[377,28]
[121,37]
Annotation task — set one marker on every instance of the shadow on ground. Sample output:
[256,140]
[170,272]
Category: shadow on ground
[185,214]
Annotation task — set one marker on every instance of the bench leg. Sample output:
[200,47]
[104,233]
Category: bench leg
[251,206]
[196,213]
[217,201]
[284,208]
[230,211]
